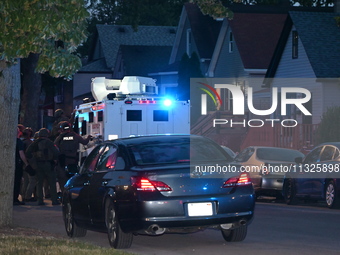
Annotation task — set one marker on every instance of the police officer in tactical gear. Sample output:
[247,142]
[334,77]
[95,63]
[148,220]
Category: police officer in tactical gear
[68,143]
[59,116]
[43,156]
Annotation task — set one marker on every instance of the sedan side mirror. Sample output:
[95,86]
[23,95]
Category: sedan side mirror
[120,164]
[298,160]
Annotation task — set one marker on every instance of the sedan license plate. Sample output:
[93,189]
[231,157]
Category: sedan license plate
[200,209]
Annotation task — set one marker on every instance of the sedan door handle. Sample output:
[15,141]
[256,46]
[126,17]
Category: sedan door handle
[86,183]
[104,183]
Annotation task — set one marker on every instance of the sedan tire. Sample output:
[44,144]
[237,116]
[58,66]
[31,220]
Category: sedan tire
[117,238]
[72,229]
[331,197]
[235,235]
[289,192]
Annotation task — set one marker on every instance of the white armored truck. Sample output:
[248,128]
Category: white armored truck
[129,107]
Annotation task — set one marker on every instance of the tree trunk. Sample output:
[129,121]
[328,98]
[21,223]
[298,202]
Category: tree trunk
[31,90]
[9,108]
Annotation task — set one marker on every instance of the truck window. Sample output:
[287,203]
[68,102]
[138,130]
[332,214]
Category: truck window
[83,127]
[134,115]
[160,115]
[100,116]
[91,115]
[76,125]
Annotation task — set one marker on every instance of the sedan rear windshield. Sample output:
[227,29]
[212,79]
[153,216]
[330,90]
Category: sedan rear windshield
[276,154]
[170,153]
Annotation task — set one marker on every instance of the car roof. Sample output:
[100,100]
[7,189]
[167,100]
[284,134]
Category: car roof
[128,141]
[337,144]
[269,147]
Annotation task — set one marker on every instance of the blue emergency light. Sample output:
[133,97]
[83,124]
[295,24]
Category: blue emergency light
[167,102]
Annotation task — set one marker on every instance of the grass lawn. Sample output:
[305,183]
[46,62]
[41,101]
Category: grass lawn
[20,241]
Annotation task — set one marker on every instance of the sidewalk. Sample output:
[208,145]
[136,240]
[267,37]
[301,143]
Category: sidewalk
[47,218]
[50,219]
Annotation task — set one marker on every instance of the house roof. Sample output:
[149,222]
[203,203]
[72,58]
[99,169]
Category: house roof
[111,37]
[320,37]
[204,29]
[141,60]
[98,65]
[256,36]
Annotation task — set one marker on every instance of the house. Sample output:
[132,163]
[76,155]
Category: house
[307,56]
[119,51]
[240,49]
[244,50]
[195,33]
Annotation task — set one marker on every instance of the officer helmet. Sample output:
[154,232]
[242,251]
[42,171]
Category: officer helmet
[65,125]
[58,113]
[44,132]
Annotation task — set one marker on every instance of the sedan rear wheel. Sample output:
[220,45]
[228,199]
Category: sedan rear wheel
[235,235]
[289,192]
[72,229]
[332,199]
[117,238]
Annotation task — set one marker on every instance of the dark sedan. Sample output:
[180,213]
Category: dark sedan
[316,177]
[155,185]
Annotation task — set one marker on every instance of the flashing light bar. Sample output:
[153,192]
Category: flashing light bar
[98,107]
[147,101]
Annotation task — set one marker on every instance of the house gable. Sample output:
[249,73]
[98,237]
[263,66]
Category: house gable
[201,29]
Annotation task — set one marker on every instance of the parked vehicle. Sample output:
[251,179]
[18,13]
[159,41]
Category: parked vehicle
[230,152]
[128,107]
[266,167]
[143,185]
[315,177]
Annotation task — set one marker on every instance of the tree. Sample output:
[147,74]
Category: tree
[328,130]
[46,34]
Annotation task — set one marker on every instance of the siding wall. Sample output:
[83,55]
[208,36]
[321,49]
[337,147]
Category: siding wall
[229,64]
[299,68]
[293,68]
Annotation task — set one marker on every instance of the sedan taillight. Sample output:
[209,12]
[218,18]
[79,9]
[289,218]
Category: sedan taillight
[144,184]
[243,179]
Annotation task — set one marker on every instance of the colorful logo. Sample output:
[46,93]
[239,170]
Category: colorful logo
[216,102]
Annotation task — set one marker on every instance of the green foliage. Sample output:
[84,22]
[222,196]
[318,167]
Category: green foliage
[53,29]
[337,20]
[329,127]
[214,8]
[313,3]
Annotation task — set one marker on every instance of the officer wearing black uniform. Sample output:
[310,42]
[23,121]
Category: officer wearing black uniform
[68,143]
[43,155]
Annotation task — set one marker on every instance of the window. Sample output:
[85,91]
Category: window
[231,42]
[133,115]
[327,153]
[244,155]
[295,42]
[91,117]
[91,160]
[278,154]
[160,115]
[100,116]
[313,156]
[83,127]
[189,42]
[108,159]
